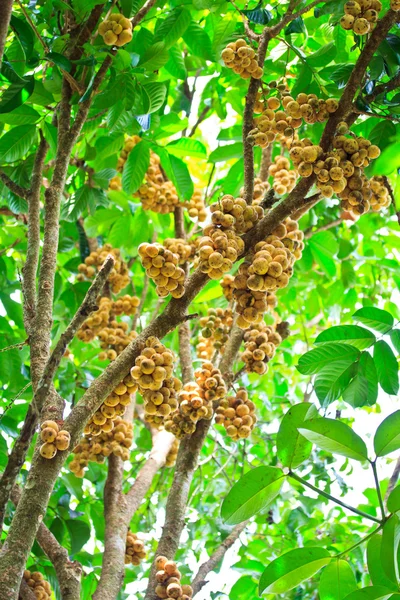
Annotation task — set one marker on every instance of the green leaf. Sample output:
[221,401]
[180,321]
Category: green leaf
[363,390]
[393,501]
[156,92]
[335,436]
[25,34]
[376,572]
[376,318]
[293,448]
[341,74]
[323,56]
[20,116]
[177,172]
[389,548]
[324,247]
[187,147]
[331,381]
[17,142]
[387,436]
[290,569]
[198,42]
[313,361]
[173,27]
[382,134]
[395,339]
[103,177]
[261,16]
[154,57]
[135,167]
[337,581]
[59,60]
[226,152]
[296,26]
[176,64]
[386,367]
[351,334]
[253,492]
[16,94]
[79,532]
[373,592]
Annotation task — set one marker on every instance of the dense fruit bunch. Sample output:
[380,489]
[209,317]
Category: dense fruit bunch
[260,345]
[284,178]
[116,30]
[260,104]
[168,579]
[395,5]
[214,333]
[278,122]
[134,551]
[156,194]
[114,406]
[100,319]
[118,277]
[172,454]
[230,212]
[179,247]
[380,196]
[115,183]
[129,143]
[218,250]
[153,374]
[236,414]
[241,58]
[162,266]
[96,448]
[39,586]
[228,286]
[114,339]
[54,439]
[196,400]
[196,207]
[259,190]
[361,16]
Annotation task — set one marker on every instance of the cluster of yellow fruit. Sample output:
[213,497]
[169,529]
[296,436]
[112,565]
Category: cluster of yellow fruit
[114,406]
[115,183]
[40,587]
[116,30]
[276,122]
[162,266]
[214,333]
[236,414]
[118,277]
[260,345]
[380,196]
[196,207]
[114,339]
[98,320]
[395,5]
[241,58]
[129,143]
[250,305]
[180,247]
[54,439]
[172,454]
[230,212]
[284,177]
[96,448]
[259,190]
[134,550]
[196,400]
[217,251]
[227,284]
[156,194]
[153,374]
[168,578]
[361,16]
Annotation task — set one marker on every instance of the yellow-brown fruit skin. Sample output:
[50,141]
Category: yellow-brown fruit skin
[116,30]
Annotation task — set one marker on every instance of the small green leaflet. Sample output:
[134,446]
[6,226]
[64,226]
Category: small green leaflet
[336,437]
[389,548]
[290,569]
[17,142]
[387,436]
[16,94]
[135,167]
[376,318]
[393,501]
[375,570]
[356,336]
[332,380]
[337,581]
[173,27]
[226,152]
[386,367]
[187,147]
[313,361]
[372,592]
[292,447]
[363,389]
[324,247]
[253,492]
[395,339]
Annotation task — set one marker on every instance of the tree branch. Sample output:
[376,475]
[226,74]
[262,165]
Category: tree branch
[68,572]
[389,86]
[310,232]
[393,479]
[16,189]
[142,12]
[200,579]
[6,10]
[266,161]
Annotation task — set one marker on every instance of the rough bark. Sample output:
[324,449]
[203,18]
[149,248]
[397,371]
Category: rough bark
[6,8]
